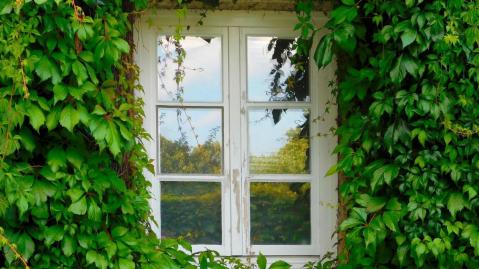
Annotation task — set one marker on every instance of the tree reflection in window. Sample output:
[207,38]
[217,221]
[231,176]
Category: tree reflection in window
[191,210]
[280,213]
[295,86]
[191,140]
[279,146]
[276,72]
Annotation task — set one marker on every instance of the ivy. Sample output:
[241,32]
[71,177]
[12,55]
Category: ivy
[407,95]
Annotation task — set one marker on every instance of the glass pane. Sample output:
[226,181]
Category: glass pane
[280,213]
[191,210]
[279,141]
[275,71]
[191,140]
[200,69]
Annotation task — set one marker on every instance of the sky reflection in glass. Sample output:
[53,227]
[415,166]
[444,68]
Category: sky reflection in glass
[201,67]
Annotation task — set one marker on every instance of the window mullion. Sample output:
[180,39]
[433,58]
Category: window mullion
[236,172]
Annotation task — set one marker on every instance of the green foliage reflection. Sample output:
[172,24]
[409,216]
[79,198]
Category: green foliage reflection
[179,157]
[192,210]
[280,213]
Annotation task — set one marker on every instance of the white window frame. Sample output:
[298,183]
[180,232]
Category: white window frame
[234,27]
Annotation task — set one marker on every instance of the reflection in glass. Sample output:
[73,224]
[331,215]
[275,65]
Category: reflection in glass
[279,141]
[191,210]
[275,71]
[280,213]
[191,140]
[200,69]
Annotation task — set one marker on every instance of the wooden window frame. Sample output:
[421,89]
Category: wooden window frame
[234,27]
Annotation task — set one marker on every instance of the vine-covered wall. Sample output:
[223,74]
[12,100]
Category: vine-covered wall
[72,189]
[409,146]
[72,193]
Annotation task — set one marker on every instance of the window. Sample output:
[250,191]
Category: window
[239,163]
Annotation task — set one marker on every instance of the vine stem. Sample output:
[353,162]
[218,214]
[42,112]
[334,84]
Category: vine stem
[75,9]
[7,132]
[4,239]
[24,78]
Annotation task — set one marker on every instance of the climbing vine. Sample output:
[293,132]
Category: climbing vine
[72,190]
[407,94]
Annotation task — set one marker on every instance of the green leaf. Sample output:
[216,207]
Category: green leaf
[185,244]
[349,223]
[121,45]
[60,92]
[448,138]
[344,13]
[25,245]
[410,66]
[79,207]
[69,117]
[53,118]
[421,135]
[348,2]
[370,236]
[74,157]
[113,138]
[75,194]
[455,203]
[372,204]
[51,44]
[407,37]
[410,3]
[36,116]
[87,56]
[84,32]
[118,232]
[203,261]
[28,140]
[360,214]
[99,129]
[332,170]
[98,110]
[323,54]
[68,245]
[384,174]
[84,115]
[94,212]
[344,37]
[390,173]
[280,265]
[40,2]
[398,73]
[261,261]
[80,71]
[391,220]
[53,234]
[46,69]
[56,159]
[91,256]
[402,253]
[470,191]
[6,7]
